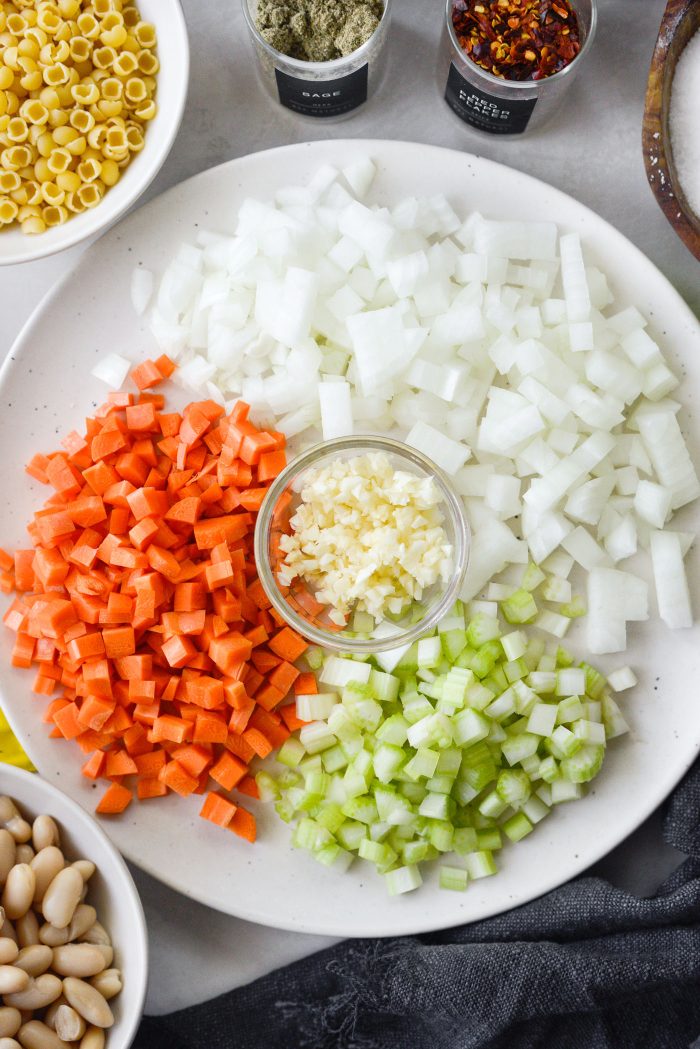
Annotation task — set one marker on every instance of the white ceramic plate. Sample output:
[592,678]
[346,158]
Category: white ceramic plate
[173,54]
[46,390]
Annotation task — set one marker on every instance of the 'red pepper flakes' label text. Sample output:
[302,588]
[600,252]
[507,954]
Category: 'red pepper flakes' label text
[484,111]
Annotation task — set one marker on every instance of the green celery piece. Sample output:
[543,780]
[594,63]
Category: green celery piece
[520,607]
[533,576]
[454,878]
[453,643]
[489,838]
[573,609]
[585,765]
[595,682]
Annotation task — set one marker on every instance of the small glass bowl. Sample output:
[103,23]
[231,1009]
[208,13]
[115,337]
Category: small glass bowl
[436,600]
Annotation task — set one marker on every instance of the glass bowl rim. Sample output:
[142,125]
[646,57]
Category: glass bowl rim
[460,526]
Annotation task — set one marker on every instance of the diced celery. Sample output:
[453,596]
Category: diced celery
[517,827]
[291,752]
[316,737]
[469,727]
[535,809]
[388,759]
[589,731]
[542,719]
[574,609]
[513,786]
[333,856]
[493,805]
[268,788]
[569,709]
[441,835]
[549,769]
[520,607]
[403,879]
[480,865]
[384,686]
[565,790]
[489,839]
[465,841]
[314,657]
[436,806]
[331,817]
[517,748]
[514,644]
[584,765]
[393,730]
[423,763]
[533,576]
[563,742]
[515,670]
[334,759]
[414,851]
[429,652]
[615,724]
[362,809]
[440,784]
[454,878]
[453,642]
[350,834]
[482,628]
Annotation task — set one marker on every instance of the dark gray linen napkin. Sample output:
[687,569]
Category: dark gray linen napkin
[585,967]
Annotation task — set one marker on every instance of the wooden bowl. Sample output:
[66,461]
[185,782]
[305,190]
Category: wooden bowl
[680,21]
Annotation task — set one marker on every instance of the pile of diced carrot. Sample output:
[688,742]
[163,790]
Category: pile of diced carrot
[140,601]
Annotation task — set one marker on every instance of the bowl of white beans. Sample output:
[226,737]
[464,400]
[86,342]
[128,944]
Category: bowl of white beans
[73,944]
[92,94]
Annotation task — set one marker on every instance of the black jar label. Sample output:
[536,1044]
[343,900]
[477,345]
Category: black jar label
[500,116]
[323,98]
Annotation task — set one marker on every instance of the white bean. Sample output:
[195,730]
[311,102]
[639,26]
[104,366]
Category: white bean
[70,1025]
[45,833]
[85,867]
[51,936]
[82,921]
[27,929]
[12,980]
[19,891]
[108,983]
[8,950]
[50,1013]
[94,1038]
[36,1035]
[10,1021]
[35,960]
[87,1001]
[46,865]
[62,897]
[8,848]
[78,959]
[24,854]
[9,1043]
[40,993]
[12,821]
[7,930]
[97,934]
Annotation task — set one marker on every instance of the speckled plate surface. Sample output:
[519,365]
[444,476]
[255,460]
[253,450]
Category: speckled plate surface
[46,390]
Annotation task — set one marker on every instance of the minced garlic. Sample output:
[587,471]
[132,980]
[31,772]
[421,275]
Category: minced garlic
[367,537]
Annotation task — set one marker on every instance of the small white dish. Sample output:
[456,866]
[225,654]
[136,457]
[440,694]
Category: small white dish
[112,890]
[171,94]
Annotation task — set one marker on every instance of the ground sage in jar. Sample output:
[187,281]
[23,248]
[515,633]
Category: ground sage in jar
[319,58]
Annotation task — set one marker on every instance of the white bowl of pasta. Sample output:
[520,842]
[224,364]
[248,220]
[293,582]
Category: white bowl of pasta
[91,101]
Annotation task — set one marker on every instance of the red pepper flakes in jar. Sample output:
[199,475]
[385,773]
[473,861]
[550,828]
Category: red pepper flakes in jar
[518,39]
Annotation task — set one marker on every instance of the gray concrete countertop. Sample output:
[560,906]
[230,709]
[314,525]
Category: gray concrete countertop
[591,150]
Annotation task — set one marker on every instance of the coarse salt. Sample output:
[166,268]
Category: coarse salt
[367,537]
[684,121]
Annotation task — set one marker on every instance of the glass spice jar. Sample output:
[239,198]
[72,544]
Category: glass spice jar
[330,90]
[498,106]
